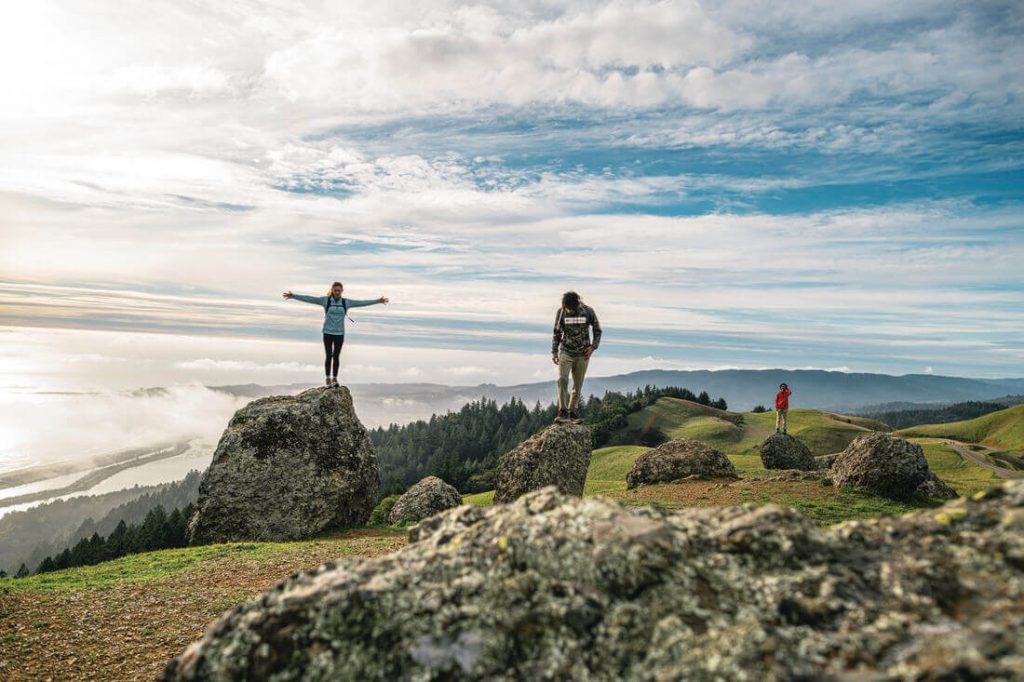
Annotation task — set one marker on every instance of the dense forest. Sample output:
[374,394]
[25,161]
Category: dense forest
[158,530]
[902,419]
[30,535]
[463,447]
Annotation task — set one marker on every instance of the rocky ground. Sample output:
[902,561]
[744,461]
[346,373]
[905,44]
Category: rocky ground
[554,587]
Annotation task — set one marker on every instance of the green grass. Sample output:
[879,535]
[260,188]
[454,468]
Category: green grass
[612,464]
[966,477]
[848,505]
[480,499]
[738,435]
[1003,430]
[155,565]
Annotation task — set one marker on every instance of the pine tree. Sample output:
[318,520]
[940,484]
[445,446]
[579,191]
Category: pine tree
[23,572]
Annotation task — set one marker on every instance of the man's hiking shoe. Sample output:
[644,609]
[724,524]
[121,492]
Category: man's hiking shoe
[561,417]
[575,417]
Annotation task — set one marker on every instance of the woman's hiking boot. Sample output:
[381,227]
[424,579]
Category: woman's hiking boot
[561,417]
[575,417]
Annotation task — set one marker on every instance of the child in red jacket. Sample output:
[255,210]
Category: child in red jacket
[782,407]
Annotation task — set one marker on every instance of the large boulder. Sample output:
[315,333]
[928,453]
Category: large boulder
[552,587]
[559,456]
[679,459]
[286,468]
[426,498]
[885,465]
[783,451]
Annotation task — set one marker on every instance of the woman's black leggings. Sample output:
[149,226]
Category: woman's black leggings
[332,351]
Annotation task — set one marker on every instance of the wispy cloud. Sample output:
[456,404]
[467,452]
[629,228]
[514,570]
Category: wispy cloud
[729,185]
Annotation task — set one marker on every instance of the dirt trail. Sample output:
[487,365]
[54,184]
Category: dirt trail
[975,458]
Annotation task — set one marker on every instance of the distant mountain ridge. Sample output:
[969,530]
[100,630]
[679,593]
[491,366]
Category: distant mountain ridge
[382,404]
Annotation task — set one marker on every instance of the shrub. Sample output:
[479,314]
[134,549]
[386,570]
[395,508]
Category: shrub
[379,515]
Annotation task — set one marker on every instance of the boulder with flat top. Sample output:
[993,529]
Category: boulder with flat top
[287,468]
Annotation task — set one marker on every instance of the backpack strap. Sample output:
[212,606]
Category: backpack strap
[344,307]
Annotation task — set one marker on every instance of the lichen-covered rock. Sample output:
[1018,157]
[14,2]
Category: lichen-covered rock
[881,464]
[559,456]
[783,451]
[934,486]
[426,498]
[679,459]
[286,468]
[551,587]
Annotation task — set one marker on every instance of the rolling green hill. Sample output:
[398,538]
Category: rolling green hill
[738,435]
[1002,430]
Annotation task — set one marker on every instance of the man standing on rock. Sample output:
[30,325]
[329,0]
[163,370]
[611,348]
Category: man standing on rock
[571,348]
[782,408]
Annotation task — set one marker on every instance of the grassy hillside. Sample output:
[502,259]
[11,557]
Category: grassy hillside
[1003,430]
[738,435]
[124,619]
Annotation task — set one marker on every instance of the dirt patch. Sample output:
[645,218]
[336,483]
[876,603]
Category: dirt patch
[130,632]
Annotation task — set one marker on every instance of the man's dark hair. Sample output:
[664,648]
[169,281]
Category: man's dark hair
[570,300]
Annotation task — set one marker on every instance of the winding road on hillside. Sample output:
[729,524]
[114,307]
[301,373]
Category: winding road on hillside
[975,458]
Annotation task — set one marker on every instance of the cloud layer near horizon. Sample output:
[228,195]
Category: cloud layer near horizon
[729,186]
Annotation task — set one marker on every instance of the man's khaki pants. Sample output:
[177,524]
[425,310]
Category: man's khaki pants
[780,419]
[570,363]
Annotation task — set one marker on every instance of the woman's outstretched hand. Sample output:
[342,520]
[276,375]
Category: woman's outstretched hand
[383,300]
[287,295]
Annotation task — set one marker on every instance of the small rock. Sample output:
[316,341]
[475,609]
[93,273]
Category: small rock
[426,498]
[559,456]
[934,486]
[677,460]
[782,451]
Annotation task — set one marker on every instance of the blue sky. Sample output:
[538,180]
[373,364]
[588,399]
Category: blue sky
[729,183]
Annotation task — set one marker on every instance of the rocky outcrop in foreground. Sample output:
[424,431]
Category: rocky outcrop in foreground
[679,459]
[426,498]
[559,456]
[286,468]
[552,587]
[885,465]
[783,451]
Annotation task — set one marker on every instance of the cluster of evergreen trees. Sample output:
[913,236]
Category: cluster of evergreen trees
[463,448]
[30,535]
[608,420]
[459,447]
[902,419]
[159,530]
